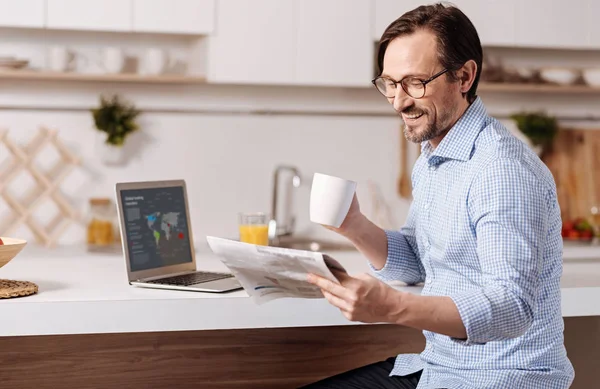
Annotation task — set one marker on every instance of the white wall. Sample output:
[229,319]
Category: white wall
[226,160]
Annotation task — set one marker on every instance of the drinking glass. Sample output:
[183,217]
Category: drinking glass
[254,228]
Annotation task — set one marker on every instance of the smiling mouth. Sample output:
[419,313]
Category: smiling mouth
[414,116]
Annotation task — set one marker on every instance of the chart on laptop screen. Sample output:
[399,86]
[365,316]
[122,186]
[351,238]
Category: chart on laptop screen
[156,227]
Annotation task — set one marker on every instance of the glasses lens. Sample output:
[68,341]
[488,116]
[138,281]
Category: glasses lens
[413,87]
[386,87]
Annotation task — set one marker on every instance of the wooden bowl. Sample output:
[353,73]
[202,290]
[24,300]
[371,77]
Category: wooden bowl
[10,249]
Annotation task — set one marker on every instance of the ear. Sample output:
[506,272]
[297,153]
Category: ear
[466,75]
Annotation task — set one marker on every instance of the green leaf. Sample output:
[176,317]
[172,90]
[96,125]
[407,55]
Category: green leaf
[539,127]
[116,118]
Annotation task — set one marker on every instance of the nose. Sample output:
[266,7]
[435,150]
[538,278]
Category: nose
[402,100]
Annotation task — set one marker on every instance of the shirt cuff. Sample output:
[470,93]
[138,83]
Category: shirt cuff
[398,259]
[475,311]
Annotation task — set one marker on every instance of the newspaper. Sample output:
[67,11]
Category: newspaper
[269,273]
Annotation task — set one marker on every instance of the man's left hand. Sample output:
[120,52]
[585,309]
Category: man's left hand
[362,298]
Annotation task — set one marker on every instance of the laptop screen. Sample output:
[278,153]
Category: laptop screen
[156,227]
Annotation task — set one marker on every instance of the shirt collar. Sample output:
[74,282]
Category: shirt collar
[458,142]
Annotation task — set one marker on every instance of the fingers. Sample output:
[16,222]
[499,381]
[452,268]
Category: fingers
[327,285]
[336,301]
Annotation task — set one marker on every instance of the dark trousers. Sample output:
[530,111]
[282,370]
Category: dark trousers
[374,376]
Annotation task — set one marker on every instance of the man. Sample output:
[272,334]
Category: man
[483,232]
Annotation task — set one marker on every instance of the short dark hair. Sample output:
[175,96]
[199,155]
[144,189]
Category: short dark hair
[457,38]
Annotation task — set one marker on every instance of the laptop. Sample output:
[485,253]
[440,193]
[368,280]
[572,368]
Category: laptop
[157,238]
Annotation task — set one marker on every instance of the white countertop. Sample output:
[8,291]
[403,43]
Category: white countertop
[81,292]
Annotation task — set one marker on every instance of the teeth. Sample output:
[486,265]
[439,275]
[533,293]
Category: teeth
[414,116]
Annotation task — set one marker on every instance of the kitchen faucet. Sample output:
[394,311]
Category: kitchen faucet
[275,230]
[284,235]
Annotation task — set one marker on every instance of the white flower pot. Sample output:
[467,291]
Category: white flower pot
[113,155]
[109,154]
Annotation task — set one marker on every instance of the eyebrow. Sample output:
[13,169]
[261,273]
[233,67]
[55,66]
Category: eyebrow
[383,74]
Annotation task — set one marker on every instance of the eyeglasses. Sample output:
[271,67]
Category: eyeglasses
[413,86]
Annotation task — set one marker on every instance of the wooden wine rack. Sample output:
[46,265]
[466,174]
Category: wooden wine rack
[47,187]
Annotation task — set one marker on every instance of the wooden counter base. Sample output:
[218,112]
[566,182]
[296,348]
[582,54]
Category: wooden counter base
[232,359]
[256,358]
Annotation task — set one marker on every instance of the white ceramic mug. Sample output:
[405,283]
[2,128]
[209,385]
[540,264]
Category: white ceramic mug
[330,199]
[113,59]
[154,62]
[60,59]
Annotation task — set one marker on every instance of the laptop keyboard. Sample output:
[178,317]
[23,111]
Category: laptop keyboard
[191,279]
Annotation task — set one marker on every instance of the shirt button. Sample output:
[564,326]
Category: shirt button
[427,206]
[432,167]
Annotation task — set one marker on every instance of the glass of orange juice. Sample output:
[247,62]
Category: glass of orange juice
[254,228]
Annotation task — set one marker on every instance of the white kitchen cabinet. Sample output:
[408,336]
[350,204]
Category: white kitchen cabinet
[553,24]
[22,13]
[493,19]
[386,11]
[99,15]
[334,45]
[174,16]
[253,42]
[593,14]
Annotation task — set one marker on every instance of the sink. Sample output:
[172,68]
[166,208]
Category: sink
[310,244]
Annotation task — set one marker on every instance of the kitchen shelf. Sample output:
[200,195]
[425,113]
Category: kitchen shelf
[536,88]
[29,75]
[125,78]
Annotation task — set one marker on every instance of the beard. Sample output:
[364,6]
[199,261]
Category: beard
[430,129]
[415,136]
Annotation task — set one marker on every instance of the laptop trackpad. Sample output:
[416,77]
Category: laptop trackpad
[223,285]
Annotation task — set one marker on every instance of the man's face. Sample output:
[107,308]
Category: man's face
[430,117]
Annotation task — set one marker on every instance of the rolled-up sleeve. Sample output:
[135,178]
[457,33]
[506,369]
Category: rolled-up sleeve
[403,262]
[509,208]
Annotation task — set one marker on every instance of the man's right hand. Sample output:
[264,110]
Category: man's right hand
[351,224]
[368,238]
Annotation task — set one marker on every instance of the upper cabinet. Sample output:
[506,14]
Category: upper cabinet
[152,16]
[99,15]
[292,42]
[386,11]
[174,16]
[334,45]
[493,19]
[592,19]
[22,13]
[253,42]
[554,23]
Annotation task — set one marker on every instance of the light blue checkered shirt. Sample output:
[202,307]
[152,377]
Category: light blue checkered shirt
[485,229]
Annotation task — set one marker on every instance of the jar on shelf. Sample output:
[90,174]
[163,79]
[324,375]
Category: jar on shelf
[102,224]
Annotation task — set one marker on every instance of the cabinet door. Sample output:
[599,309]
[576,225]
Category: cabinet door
[552,23]
[254,42]
[22,13]
[174,16]
[386,11]
[493,19]
[100,15]
[593,24]
[334,45]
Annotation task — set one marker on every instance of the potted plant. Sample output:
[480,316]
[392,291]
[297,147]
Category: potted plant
[539,128]
[116,119]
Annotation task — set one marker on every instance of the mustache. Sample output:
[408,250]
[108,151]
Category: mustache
[412,110]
